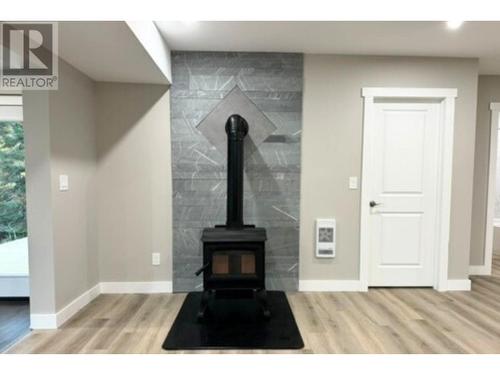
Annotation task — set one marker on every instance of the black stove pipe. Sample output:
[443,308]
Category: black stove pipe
[236,129]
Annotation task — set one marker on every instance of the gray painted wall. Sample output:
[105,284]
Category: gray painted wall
[134,209]
[273,82]
[60,139]
[113,140]
[332,150]
[488,91]
[39,202]
[73,152]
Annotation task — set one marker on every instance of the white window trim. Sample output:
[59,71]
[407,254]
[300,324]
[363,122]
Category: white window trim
[446,97]
[485,269]
[11,108]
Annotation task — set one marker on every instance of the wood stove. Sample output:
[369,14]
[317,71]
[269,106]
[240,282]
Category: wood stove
[234,254]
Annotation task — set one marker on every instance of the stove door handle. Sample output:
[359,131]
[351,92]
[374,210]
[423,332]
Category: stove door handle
[202,269]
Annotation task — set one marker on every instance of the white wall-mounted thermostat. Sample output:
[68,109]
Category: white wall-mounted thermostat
[326,232]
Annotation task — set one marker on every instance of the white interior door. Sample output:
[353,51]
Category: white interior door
[403,193]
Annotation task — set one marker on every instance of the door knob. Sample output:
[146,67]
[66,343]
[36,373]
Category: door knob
[373,204]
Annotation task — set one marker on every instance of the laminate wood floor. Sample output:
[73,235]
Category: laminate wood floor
[14,321]
[391,320]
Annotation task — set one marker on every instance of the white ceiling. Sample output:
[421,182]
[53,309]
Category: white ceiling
[473,39]
[108,52]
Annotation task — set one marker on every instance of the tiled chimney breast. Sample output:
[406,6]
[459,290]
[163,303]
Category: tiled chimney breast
[266,89]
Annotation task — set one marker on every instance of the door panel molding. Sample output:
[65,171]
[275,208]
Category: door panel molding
[446,100]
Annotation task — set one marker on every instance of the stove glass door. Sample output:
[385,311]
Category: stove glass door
[233,263]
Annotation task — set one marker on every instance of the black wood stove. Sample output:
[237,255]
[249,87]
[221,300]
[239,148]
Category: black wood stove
[234,254]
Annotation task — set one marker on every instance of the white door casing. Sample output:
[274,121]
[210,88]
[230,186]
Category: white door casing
[407,162]
[485,268]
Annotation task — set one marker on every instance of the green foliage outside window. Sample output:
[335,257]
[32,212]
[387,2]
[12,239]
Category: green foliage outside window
[12,182]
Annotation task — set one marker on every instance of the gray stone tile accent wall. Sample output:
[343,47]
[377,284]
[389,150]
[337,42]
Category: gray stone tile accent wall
[273,82]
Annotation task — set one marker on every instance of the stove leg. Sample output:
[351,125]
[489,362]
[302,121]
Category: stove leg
[202,312]
[261,296]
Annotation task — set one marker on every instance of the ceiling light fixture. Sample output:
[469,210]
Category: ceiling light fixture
[453,25]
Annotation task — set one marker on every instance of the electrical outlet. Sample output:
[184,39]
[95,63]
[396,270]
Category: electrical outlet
[155,259]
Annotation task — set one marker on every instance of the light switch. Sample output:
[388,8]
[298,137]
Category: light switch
[63,182]
[353,183]
[155,259]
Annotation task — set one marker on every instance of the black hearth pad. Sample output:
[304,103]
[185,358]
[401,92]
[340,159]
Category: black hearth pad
[234,324]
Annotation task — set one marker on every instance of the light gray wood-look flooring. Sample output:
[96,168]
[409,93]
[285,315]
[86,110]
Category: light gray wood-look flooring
[392,320]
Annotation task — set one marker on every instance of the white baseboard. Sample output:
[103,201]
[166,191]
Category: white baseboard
[53,321]
[458,284]
[43,321]
[77,304]
[482,270]
[14,286]
[356,285]
[147,287]
[331,286]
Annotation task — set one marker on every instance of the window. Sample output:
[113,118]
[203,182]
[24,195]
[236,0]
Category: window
[13,231]
[12,170]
